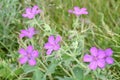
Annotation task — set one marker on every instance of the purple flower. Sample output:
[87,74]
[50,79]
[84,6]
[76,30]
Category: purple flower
[52,44]
[96,58]
[28,55]
[77,11]
[108,58]
[27,33]
[31,12]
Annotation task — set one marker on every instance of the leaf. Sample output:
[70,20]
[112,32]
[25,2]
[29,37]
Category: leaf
[51,68]
[65,78]
[28,68]
[78,73]
[37,75]
[88,77]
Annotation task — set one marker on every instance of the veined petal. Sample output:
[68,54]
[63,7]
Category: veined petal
[35,54]
[25,32]
[109,52]
[94,51]
[109,60]
[32,62]
[29,49]
[49,51]
[93,65]
[23,60]
[87,58]
[22,51]
[101,54]
[51,39]
[101,63]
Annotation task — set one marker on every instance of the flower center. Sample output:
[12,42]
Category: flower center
[95,58]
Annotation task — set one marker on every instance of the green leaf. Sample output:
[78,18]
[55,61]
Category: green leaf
[28,68]
[37,75]
[88,77]
[78,73]
[51,68]
[65,78]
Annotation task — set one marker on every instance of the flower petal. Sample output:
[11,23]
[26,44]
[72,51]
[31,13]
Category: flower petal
[101,54]
[32,62]
[56,47]
[49,51]
[23,60]
[94,51]
[35,54]
[58,39]
[109,60]
[51,39]
[22,51]
[48,46]
[70,11]
[21,35]
[101,63]
[93,65]
[87,58]
[109,52]
[29,49]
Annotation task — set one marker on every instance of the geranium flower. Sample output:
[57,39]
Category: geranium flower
[52,44]
[96,58]
[28,55]
[27,33]
[77,11]
[31,12]
[108,58]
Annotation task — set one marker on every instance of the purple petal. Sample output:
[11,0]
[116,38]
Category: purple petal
[76,8]
[29,49]
[94,51]
[56,47]
[31,16]
[101,63]
[109,60]
[109,52]
[24,15]
[48,46]
[32,62]
[25,32]
[28,10]
[93,65]
[70,11]
[21,35]
[51,39]
[101,54]
[49,51]
[87,58]
[23,60]
[35,54]
[58,39]
[22,51]
[34,9]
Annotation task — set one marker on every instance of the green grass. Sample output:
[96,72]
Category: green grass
[99,28]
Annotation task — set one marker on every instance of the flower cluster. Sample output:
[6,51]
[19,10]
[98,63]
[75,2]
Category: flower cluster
[31,12]
[28,55]
[99,58]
